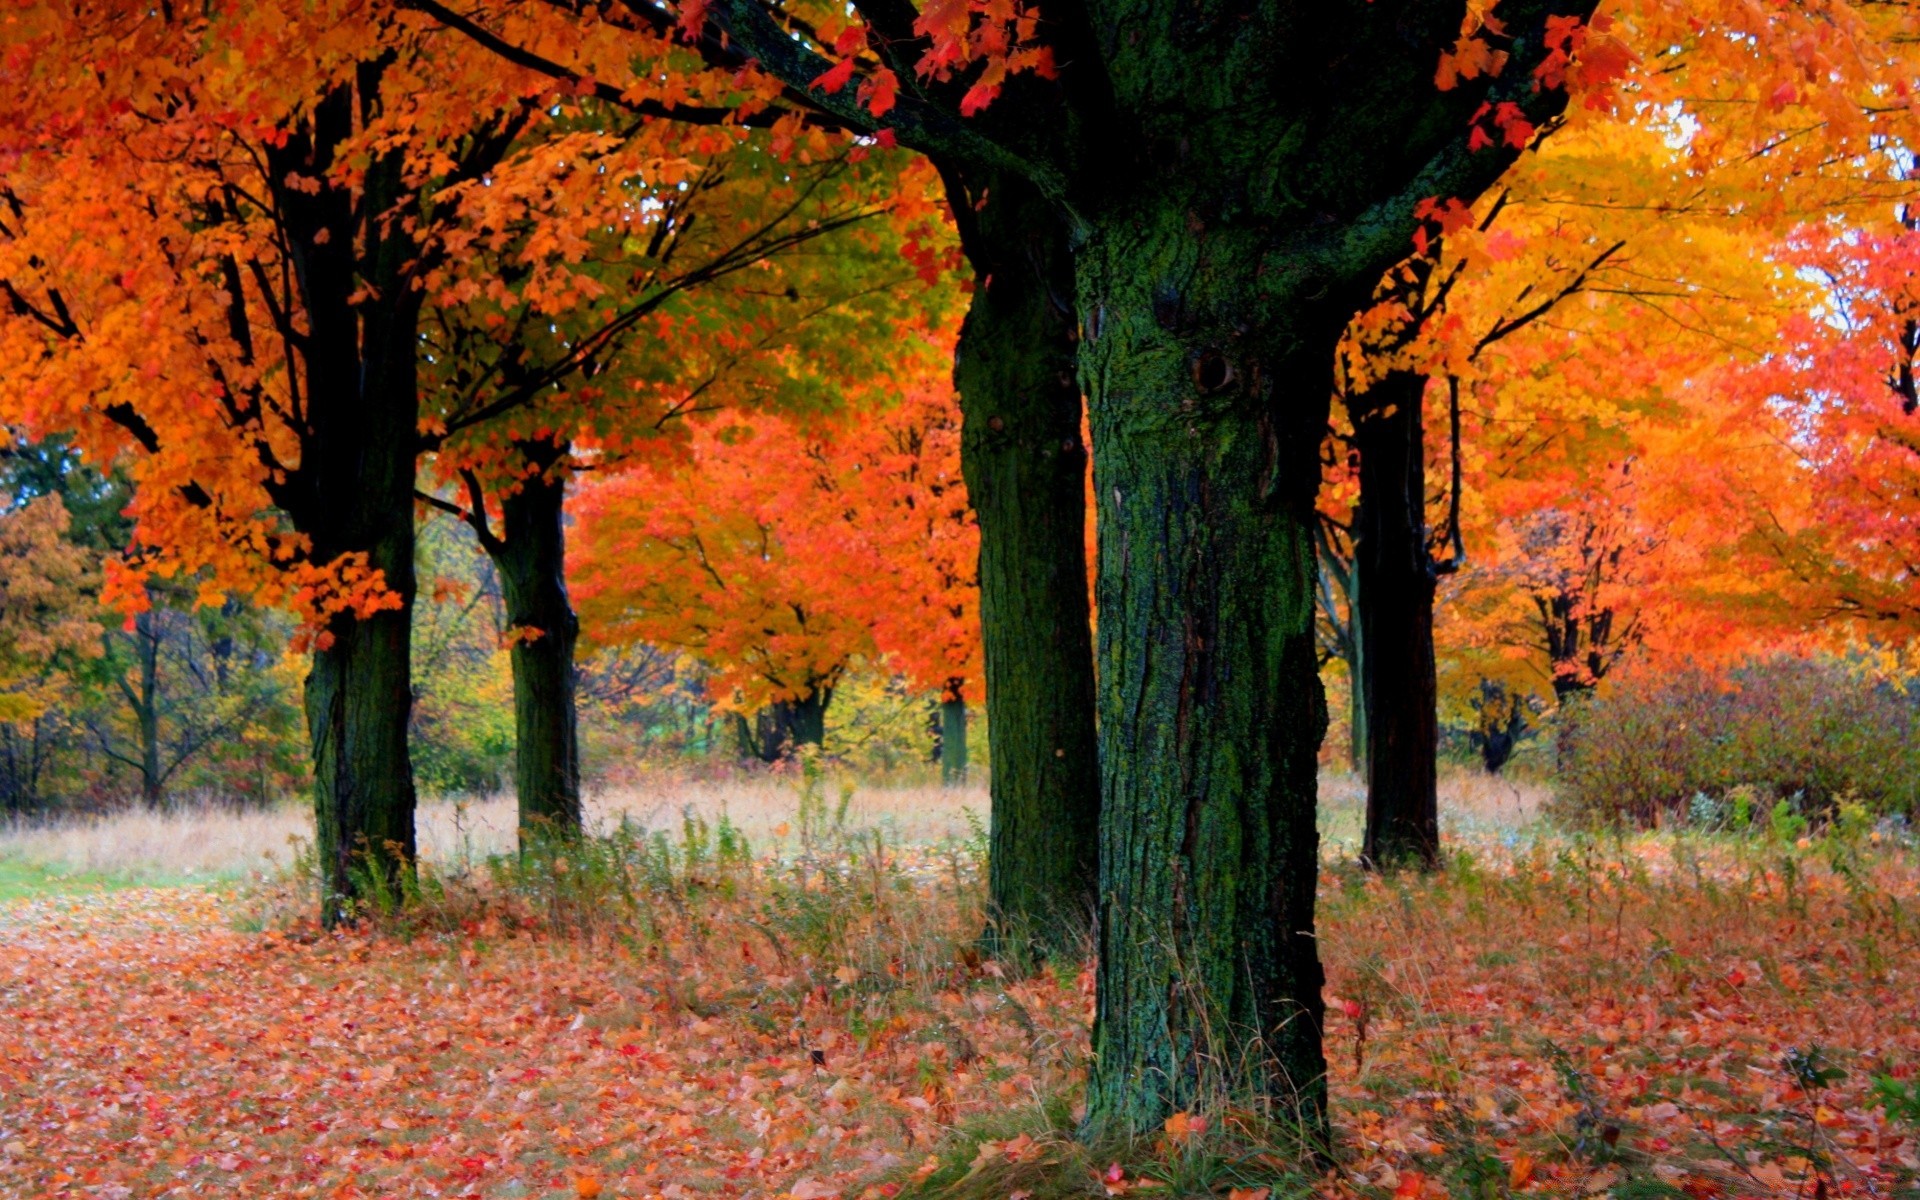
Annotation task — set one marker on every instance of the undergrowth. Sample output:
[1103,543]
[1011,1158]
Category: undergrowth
[1701,1012]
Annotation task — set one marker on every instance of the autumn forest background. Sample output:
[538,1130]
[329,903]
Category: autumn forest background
[759,598]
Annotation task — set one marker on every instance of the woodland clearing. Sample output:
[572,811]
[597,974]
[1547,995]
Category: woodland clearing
[192,841]
[1663,1014]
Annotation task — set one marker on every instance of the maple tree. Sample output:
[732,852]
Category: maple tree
[780,580]
[178,697]
[269,247]
[1022,449]
[1841,551]
[1645,205]
[42,611]
[929,630]
[590,337]
[1195,297]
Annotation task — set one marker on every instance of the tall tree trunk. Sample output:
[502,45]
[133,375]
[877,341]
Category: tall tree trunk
[1208,407]
[147,708]
[953,736]
[531,559]
[359,694]
[1360,733]
[352,494]
[1025,464]
[1394,609]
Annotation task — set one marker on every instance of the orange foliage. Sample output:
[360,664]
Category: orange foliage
[781,552]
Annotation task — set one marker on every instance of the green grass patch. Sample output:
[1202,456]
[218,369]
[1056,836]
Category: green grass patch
[24,880]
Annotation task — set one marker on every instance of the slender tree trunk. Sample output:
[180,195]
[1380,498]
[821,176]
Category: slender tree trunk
[1394,611]
[1208,407]
[531,559]
[1360,734]
[1025,464]
[147,709]
[953,736]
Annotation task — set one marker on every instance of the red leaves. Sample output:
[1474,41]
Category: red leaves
[1585,57]
[1514,128]
[1438,218]
[834,78]
[878,92]
[1472,56]
[998,36]
[1563,38]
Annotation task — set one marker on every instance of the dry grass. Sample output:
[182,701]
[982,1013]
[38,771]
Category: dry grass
[1472,802]
[212,842]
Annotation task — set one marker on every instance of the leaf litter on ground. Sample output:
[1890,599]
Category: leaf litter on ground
[1636,1017]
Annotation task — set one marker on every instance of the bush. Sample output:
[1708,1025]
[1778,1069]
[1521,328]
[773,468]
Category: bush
[1694,745]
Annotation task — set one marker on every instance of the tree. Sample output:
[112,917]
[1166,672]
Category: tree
[43,618]
[1611,205]
[907,497]
[241,321]
[1022,450]
[780,553]
[1844,546]
[537,340]
[1210,298]
[170,694]
[739,563]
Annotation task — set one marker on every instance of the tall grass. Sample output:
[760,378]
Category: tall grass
[215,842]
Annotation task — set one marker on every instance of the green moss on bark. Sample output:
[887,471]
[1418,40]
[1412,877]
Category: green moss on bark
[1025,465]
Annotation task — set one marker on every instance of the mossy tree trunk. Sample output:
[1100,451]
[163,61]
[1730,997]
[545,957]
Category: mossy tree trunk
[1237,178]
[953,735]
[1207,416]
[530,556]
[1025,464]
[781,728]
[1396,579]
[353,492]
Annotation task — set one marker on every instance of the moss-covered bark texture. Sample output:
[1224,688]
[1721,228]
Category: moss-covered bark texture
[1025,465]
[352,493]
[1235,176]
[1205,418]
[531,560]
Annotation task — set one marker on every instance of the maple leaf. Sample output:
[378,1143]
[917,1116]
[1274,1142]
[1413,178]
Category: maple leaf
[835,77]
[879,92]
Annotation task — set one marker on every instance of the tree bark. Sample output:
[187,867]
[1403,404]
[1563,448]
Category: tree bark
[352,493]
[1207,412]
[1025,465]
[806,718]
[359,694]
[1394,606]
[531,559]
[1237,179]
[1359,733]
[781,727]
[953,737]
[146,634]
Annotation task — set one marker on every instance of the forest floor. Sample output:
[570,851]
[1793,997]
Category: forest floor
[1658,1016]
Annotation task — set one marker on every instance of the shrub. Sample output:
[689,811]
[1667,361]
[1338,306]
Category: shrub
[1697,745]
